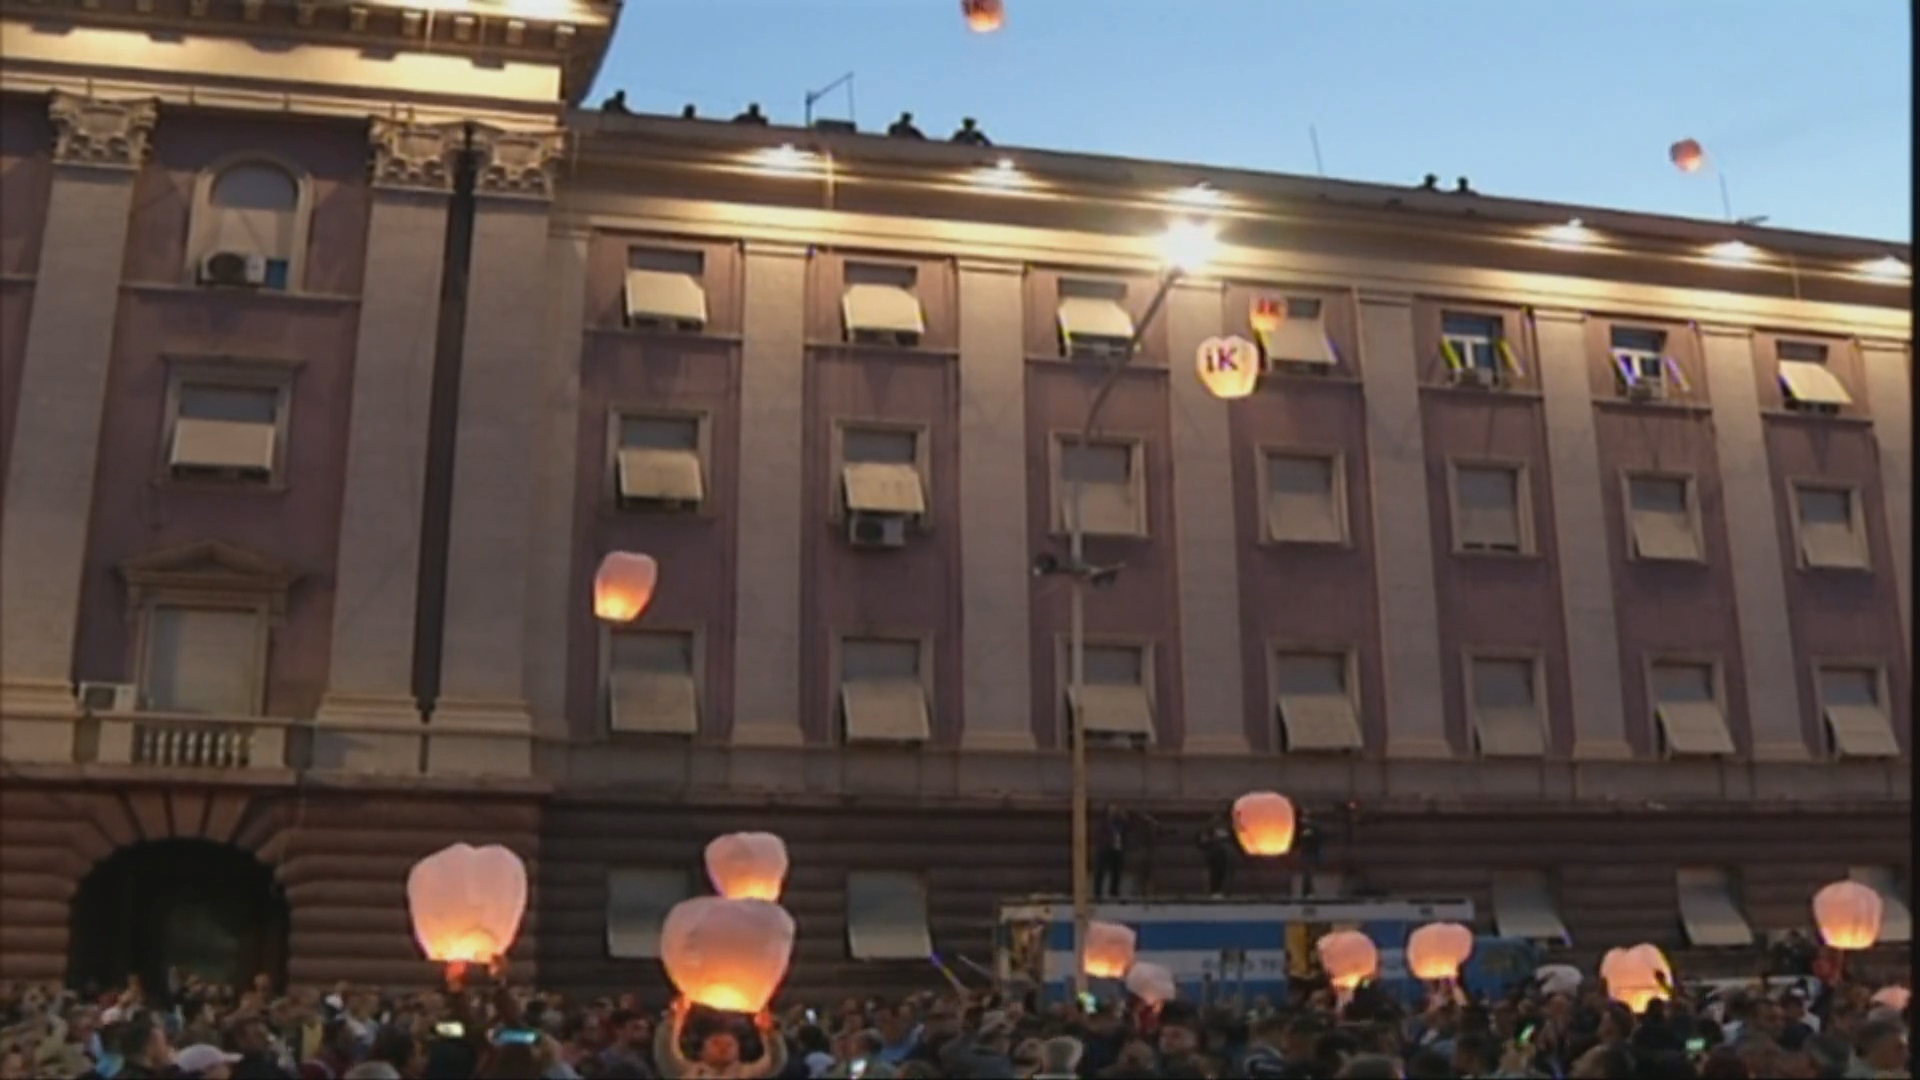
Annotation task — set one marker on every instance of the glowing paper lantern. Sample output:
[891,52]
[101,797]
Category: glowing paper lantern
[729,955]
[466,902]
[1109,950]
[1559,979]
[1893,997]
[1848,914]
[1437,950]
[1636,976]
[747,865]
[1151,983]
[984,16]
[623,586]
[1348,957]
[1687,156]
[1228,367]
[1263,821]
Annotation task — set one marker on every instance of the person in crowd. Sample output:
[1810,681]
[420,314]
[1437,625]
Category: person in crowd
[969,134]
[139,1050]
[1060,1058]
[1110,845]
[1218,849]
[719,1050]
[631,1048]
[204,1062]
[373,1070]
[335,1055]
[1882,1048]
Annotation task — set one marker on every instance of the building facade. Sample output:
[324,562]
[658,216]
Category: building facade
[1563,567]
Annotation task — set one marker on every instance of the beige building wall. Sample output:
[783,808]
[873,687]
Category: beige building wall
[1889,368]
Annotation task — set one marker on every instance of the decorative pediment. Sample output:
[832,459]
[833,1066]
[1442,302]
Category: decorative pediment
[517,164]
[101,132]
[209,568]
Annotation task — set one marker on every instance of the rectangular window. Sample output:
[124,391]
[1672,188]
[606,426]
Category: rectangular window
[1315,702]
[1093,319]
[225,432]
[1524,907]
[879,304]
[665,290]
[1110,487]
[887,916]
[1687,709]
[1505,705]
[203,661]
[637,905]
[1708,912]
[653,683]
[1662,517]
[660,462]
[1306,499]
[1476,349]
[1830,526]
[1116,702]
[883,690]
[1490,509]
[1805,380]
[1853,704]
[881,471]
[1298,336]
[1642,365]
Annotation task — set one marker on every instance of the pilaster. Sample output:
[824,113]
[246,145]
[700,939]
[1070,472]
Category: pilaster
[1889,369]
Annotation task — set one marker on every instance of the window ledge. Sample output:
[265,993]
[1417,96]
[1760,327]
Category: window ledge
[1509,393]
[1140,364]
[1503,556]
[876,348]
[11,277]
[1795,416]
[615,510]
[1062,534]
[1681,408]
[648,333]
[284,296]
[1823,568]
[1274,380]
[1692,562]
[168,482]
[1319,546]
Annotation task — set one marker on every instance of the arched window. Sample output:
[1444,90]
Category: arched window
[252,210]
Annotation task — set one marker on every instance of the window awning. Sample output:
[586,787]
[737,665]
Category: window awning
[884,710]
[1707,910]
[1663,535]
[1319,722]
[882,309]
[1509,732]
[1094,320]
[887,916]
[1896,919]
[667,296]
[669,475]
[1861,731]
[1694,729]
[1298,340]
[1828,535]
[637,904]
[226,444]
[1812,384]
[1113,710]
[654,702]
[1106,509]
[883,489]
[1523,907]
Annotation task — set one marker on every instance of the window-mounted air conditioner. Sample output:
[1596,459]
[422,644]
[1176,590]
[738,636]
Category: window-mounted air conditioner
[870,530]
[105,697]
[233,268]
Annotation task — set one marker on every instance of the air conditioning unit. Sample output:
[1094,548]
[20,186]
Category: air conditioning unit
[1646,390]
[1094,347]
[876,530]
[905,339]
[106,697]
[234,268]
[1484,378]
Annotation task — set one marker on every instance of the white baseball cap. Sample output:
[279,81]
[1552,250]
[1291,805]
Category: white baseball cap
[201,1057]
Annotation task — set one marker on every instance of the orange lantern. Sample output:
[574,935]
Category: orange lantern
[984,16]
[1348,957]
[466,903]
[1636,976]
[1228,367]
[1109,950]
[1263,821]
[623,586]
[747,865]
[1436,951]
[1266,314]
[729,955]
[1893,997]
[1151,983]
[1848,914]
[1687,156]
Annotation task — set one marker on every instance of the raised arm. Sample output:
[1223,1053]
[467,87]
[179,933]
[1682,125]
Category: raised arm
[667,1057]
[773,1050]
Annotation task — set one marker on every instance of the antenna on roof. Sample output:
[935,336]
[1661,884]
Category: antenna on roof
[815,95]
[1313,136]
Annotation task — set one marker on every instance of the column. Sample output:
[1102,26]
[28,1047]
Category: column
[1889,367]
[772,414]
[996,665]
[1205,533]
[369,720]
[99,147]
[1402,531]
[1753,540]
[483,697]
[1584,562]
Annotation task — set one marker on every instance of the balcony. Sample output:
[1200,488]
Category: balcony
[161,740]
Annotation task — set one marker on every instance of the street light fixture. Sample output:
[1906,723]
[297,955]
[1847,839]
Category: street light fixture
[1185,247]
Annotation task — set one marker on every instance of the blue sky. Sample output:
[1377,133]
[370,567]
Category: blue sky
[1804,104]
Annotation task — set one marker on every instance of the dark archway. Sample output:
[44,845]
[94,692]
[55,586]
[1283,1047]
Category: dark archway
[209,909]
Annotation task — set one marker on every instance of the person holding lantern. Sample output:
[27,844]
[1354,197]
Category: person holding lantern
[719,1051]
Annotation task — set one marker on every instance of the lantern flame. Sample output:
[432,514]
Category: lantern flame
[984,16]
[747,865]
[1637,976]
[1848,914]
[730,955]
[1687,155]
[1348,957]
[1437,950]
[1109,950]
[623,586]
[1263,821]
[466,902]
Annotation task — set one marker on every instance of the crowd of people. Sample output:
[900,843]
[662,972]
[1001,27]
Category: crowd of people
[503,1031]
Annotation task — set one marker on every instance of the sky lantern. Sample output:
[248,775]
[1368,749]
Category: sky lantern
[1636,976]
[1436,951]
[730,955]
[984,16]
[1229,367]
[1349,958]
[1893,997]
[1263,821]
[466,903]
[1563,979]
[623,586]
[1151,983]
[1109,950]
[1687,156]
[747,865]
[1848,914]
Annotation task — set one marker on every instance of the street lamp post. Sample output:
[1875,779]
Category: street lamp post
[1185,247]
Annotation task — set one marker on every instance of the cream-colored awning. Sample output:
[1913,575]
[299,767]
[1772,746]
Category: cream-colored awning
[883,489]
[1319,722]
[882,309]
[884,710]
[1661,521]
[1812,384]
[1694,729]
[1707,910]
[1523,907]
[637,906]
[1829,533]
[887,916]
[667,475]
[1896,919]
[1095,320]
[222,444]
[1509,733]
[1303,500]
[665,295]
[653,702]
[1299,341]
[1861,731]
[1108,709]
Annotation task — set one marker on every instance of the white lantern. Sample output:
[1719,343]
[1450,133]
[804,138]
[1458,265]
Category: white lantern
[1263,821]
[729,955]
[1893,997]
[748,865]
[1229,367]
[1848,914]
[467,902]
[1636,976]
[1109,950]
[1151,983]
[1436,951]
[623,586]
[1348,957]
[1559,979]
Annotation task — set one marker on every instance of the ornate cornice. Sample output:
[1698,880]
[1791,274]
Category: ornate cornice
[516,164]
[100,133]
[415,157]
